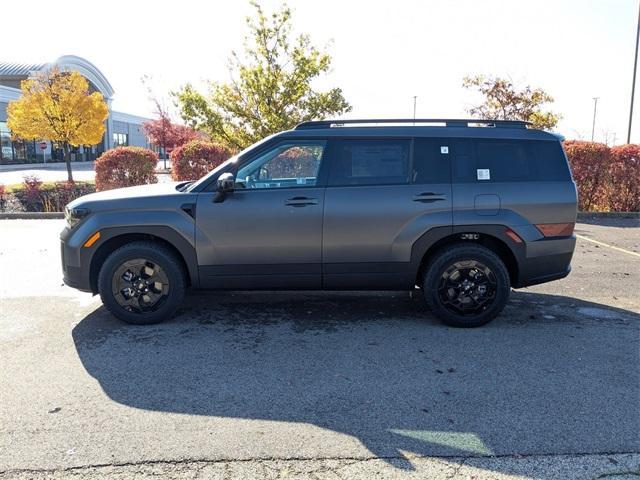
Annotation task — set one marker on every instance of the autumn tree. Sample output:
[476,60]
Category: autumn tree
[504,101]
[270,88]
[167,135]
[57,105]
[162,131]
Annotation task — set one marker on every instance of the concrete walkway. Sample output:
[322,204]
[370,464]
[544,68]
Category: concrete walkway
[52,172]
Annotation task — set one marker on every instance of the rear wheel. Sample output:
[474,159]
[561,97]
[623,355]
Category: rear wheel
[466,285]
[142,283]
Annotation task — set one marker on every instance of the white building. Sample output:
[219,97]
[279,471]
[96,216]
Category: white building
[121,128]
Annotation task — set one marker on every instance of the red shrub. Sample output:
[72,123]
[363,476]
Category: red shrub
[296,162]
[32,187]
[590,166]
[125,167]
[196,158]
[624,171]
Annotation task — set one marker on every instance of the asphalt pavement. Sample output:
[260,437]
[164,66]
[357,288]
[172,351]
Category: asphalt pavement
[321,385]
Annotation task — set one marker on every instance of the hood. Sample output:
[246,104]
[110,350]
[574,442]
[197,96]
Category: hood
[140,196]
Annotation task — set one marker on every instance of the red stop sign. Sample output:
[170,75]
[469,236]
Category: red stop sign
[43,145]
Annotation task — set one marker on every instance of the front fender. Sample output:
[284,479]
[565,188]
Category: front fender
[175,227]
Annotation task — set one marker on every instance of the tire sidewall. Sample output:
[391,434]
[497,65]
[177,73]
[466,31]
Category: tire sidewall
[157,255]
[462,252]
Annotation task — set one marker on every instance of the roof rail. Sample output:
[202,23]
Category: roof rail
[448,122]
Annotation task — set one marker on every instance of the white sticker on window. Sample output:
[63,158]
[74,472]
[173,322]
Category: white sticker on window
[444,149]
[484,174]
[301,181]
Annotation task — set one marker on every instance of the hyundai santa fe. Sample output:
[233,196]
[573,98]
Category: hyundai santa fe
[463,210]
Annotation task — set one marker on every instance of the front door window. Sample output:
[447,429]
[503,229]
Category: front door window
[292,164]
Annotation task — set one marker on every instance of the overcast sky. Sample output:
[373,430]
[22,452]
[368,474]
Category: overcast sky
[384,52]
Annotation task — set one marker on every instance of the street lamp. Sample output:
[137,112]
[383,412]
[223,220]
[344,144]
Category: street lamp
[633,83]
[593,126]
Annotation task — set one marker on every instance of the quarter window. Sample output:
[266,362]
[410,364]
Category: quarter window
[287,165]
[370,162]
[508,161]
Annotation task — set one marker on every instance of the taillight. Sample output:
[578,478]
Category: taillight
[556,229]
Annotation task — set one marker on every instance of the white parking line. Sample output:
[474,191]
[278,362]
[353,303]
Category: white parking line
[635,254]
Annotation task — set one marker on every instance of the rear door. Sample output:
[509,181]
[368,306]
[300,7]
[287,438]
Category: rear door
[382,195]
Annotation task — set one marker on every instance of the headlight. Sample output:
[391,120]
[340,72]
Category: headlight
[73,216]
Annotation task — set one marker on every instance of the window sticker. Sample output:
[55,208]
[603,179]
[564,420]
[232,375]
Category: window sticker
[444,149]
[484,174]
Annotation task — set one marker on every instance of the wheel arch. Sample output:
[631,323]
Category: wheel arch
[112,239]
[492,237]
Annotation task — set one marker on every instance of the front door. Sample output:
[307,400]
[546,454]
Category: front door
[268,232]
[382,196]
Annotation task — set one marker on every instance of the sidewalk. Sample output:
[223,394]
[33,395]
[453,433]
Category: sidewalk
[52,172]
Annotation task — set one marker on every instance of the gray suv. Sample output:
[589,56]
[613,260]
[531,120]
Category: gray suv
[463,210]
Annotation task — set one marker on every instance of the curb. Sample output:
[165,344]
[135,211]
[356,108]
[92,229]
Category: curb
[30,215]
[596,215]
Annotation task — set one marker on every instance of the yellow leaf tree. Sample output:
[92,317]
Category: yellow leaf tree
[58,106]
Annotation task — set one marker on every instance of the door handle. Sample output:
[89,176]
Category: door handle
[301,201]
[429,197]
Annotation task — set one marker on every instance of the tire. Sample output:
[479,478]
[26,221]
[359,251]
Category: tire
[482,280]
[147,278]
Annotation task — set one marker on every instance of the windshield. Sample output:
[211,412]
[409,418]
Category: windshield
[223,165]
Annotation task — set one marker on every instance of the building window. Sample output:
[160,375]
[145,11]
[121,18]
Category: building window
[6,149]
[120,139]
[15,151]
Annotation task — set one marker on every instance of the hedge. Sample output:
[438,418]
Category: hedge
[608,179]
[35,196]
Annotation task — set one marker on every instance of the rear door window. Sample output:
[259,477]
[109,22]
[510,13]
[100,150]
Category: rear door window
[370,162]
[431,161]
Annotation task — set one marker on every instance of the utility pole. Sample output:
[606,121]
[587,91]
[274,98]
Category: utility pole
[415,97]
[633,84]
[593,125]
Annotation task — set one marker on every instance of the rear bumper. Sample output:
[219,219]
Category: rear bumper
[545,260]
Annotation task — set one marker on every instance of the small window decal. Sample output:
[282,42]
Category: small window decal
[484,174]
[444,149]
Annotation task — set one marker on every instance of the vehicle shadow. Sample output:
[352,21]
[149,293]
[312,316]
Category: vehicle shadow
[377,367]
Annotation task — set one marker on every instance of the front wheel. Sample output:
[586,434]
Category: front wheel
[466,285]
[142,283]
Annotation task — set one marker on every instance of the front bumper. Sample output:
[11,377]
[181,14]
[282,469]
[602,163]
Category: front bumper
[74,274]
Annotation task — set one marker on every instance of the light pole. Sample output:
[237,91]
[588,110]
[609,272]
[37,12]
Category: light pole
[415,97]
[593,125]
[633,83]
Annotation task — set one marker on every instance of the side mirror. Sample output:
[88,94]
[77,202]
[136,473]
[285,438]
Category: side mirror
[225,185]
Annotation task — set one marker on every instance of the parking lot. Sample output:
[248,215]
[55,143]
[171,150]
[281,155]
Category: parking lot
[327,385]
